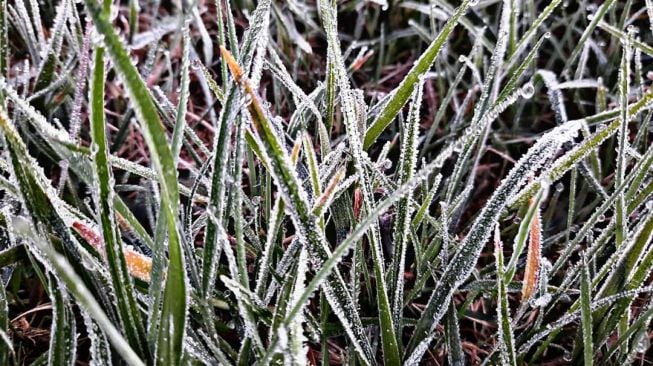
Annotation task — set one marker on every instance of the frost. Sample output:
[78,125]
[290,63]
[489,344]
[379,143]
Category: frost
[40,122]
[527,91]
[99,349]
[463,261]
[554,94]
[417,354]
[541,301]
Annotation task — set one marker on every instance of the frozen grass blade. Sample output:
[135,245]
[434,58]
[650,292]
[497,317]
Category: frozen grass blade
[406,169]
[42,213]
[405,89]
[173,315]
[585,148]
[113,249]
[463,261]
[354,117]
[586,313]
[357,233]
[587,32]
[4,45]
[622,144]
[506,338]
[63,270]
[296,199]
[220,146]
[63,342]
[522,234]
[455,353]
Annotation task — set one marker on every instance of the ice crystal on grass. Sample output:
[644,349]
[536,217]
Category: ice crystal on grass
[313,230]
[463,261]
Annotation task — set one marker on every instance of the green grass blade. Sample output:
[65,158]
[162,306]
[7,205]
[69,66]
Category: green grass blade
[406,169]
[455,354]
[522,235]
[586,147]
[63,270]
[586,313]
[296,200]
[506,337]
[405,89]
[128,311]
[464,260]
[220,146]
[175,304]
[587,32]
[622,144]
[352,119]
[63,339]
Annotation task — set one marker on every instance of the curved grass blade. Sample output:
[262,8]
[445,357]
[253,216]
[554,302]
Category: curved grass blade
[296,200]
[463,261]
[175,304]
[63,270]
[583,149]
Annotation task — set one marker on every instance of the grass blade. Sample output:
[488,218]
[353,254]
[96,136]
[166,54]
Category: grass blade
[405,89]
[586,313]
[173,315]
[296,200]
[113,249]
[463,261]
[506,338]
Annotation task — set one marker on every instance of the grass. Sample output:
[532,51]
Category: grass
[326,182]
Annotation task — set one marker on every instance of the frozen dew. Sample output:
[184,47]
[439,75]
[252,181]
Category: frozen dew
[643,345]
[527,91]
[566,356]
[541,301]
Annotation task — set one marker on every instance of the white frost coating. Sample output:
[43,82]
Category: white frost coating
[541,301]
[99,349]
[297,338]
[40,122]
[417,354]
[576,315]
[579,84]
[555,95]
[464,260]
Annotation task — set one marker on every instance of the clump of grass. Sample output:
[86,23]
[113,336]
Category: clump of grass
[326,182]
